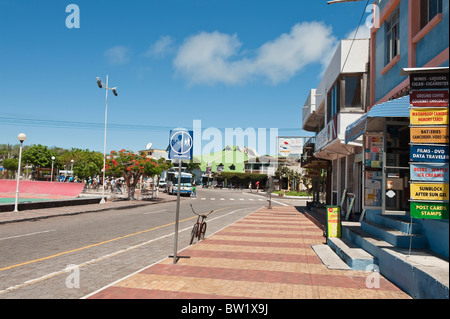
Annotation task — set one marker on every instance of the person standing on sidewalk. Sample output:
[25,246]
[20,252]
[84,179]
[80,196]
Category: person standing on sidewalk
[194,191]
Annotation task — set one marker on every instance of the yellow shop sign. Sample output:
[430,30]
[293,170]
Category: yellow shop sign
[429,191]
[429,116]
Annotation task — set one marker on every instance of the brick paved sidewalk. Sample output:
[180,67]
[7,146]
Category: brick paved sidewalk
[266,255]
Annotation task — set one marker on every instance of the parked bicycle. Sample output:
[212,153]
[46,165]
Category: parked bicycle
[199,228]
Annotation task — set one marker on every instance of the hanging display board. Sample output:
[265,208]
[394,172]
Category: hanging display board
[429,172]
[429,191]
[429,116]
[427,153]
[429,98]
[429,210]
[429,135]
[429,169]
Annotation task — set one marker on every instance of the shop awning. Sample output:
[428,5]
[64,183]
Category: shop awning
[394,108]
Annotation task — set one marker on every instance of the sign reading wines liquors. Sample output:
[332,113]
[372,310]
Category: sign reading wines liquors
[429,81]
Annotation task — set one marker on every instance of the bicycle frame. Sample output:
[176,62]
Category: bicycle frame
[199,228]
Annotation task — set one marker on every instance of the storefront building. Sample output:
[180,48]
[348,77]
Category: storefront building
[412,37]
[340,99]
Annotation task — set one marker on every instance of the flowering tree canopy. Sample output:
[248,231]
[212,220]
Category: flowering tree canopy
[131,167]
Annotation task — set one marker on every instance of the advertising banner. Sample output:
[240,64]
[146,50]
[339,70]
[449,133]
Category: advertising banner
[429,210]
[290,146]
[428,172]
[429,191]
[429,116]
[427,81]
[429,98]
[426,153]
[333,221]
[429,135]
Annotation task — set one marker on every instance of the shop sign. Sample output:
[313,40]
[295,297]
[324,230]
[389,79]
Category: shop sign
[428,98]
[429,172]
[426,81]
[429,135]
[429,116]
[333,221]
[429,210]
[429,191]
[433,154]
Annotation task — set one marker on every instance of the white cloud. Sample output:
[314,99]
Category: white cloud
[118,55]
[363,33]
[208,58]
[161,47]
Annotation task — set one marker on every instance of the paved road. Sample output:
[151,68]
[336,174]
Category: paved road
[71,256]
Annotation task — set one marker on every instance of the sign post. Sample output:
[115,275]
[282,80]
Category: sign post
[180,147]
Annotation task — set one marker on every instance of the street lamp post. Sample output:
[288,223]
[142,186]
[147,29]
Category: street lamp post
[21,138]
[51,175]
[101,84]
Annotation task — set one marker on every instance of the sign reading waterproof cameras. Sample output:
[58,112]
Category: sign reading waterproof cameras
[181,145]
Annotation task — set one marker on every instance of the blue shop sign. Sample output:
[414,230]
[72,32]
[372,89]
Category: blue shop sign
[431,154]
[428,172]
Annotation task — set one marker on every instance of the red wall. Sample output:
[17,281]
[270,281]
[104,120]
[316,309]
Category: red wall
[40,189]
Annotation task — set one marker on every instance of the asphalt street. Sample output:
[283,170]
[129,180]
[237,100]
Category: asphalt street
[72,256]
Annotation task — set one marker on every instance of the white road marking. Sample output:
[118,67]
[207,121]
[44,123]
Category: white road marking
[30,234]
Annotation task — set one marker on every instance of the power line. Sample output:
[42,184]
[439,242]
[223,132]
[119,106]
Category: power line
[96,126]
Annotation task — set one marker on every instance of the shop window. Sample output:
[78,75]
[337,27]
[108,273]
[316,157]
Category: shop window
[334,100]
[428,10]
[392,37]
[352,92]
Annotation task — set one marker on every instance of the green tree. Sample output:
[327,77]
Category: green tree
[131,167]
[39,156]
[10,164]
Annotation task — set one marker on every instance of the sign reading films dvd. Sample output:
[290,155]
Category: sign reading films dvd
[429,151]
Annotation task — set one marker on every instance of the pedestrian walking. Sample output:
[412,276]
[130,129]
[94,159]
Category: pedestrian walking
[119,186]
[194,191]
[113,185]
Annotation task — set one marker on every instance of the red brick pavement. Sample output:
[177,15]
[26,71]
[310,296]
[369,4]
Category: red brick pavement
[266,255]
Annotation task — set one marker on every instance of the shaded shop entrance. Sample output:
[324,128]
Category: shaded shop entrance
[385,169]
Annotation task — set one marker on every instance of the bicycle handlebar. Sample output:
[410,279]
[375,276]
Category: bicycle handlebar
[203,215]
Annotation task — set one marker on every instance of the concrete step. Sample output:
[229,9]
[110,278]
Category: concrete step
[393,236]
[354,256]
[421,274]
[329,257]
[401,223]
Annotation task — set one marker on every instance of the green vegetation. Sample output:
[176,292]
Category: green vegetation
[292,193]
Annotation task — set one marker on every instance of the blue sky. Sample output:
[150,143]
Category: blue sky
[231,64]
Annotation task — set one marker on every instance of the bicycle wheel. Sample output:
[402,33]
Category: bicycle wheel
[202,233]
[193,233]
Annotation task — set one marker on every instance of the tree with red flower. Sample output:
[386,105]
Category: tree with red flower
[132,166]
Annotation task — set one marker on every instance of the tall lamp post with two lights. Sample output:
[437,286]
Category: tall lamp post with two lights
[22,137]
[101,84]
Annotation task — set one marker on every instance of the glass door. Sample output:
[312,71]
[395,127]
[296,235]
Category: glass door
[395,185]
